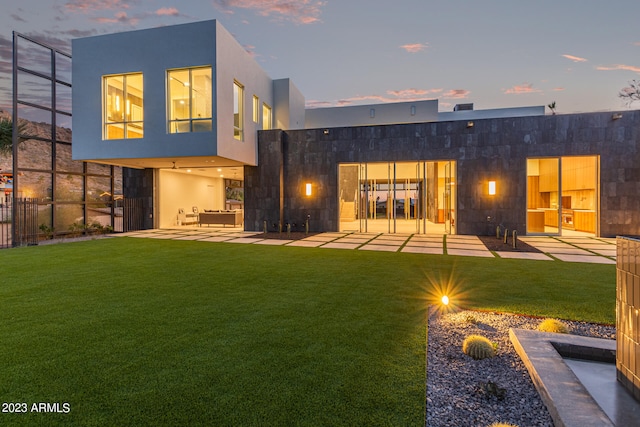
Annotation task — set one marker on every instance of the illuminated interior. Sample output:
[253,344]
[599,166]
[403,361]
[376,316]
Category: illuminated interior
[123,106]
[402,197]
[238,110]
[189,102]
[562,195]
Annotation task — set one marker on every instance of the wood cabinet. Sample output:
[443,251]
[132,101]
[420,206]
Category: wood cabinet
[578,173]
[535,221]
[584,221]
[551,217]
[548,175]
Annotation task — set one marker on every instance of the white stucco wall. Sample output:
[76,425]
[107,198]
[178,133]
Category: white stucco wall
[151,52]
[289,111]
[495,113]
[235,63]
[383,114]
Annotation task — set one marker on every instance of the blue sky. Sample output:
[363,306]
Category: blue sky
[494,53]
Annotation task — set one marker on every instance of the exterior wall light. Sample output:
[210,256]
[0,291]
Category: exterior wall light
[307,189]
[616,116]
[469,124]
[492,188]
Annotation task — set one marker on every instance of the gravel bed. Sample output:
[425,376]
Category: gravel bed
[462,391]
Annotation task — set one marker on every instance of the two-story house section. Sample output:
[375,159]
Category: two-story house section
[184,101]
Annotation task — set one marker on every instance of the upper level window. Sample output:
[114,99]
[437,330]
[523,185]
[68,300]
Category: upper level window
[266,117]
[238,110]
[189,100]
[256,109]
[123,106]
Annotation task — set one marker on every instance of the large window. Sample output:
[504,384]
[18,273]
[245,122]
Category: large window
[238,113]
[123,106]
[266,117]
[189,100]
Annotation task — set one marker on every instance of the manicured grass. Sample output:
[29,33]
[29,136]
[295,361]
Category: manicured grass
[149,332]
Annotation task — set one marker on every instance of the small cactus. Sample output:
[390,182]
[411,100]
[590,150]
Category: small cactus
[478,347]
[553,325]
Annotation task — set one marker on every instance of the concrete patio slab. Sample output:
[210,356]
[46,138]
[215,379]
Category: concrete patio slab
[244,240]
[594,259]
[423,250]
[359,241]
[570,250]
[463,252]
[385,248]
[306,243]
[524,255]
[387,242]
[468,246]
[189,237]
[335,245]
[424,243]
[216,239]
[273,242]
[319,238]
[608,252]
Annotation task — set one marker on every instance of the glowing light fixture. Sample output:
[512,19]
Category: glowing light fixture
[444,300]
[492,188]
[307,189]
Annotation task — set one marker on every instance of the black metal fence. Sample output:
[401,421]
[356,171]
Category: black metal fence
[20,228]
[132,215]
[19,223]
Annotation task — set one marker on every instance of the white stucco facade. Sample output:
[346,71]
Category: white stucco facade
[153,52]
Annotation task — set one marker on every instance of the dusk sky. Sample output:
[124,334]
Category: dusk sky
[494,53]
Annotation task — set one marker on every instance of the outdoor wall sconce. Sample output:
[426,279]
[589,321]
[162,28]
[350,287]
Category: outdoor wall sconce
[469,124]
[326,131]
[492,188]
[307,189]
[616,116]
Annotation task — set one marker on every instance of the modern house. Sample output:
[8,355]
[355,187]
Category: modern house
[198,124]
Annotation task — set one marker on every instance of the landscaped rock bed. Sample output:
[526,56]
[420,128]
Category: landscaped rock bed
[462,391]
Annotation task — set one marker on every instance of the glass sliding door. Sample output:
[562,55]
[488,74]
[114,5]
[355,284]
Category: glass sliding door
[397,197]
[562,195]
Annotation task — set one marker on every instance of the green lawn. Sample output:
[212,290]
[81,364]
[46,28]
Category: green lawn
[151,332]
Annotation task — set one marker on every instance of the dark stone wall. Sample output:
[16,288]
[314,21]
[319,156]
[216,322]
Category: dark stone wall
[492,149]
[263,184]
[139,184]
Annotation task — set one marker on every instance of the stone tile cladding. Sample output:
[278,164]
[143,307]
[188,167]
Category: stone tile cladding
[493,149]
[628,314]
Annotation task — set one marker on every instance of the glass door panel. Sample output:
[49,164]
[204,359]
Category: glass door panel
[544,199]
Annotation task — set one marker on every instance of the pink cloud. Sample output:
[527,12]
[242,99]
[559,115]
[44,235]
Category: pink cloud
[299,11]
[575,58]
[120,17]
[167,11]
[456,94]
[558,89]
[619,67]
[85,6]
[414,47]
[403,95]
[524,88]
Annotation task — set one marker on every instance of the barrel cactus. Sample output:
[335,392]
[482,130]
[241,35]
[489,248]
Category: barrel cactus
[553,325]
[478,347]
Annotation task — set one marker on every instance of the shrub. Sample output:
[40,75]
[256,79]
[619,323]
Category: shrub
[553,325]
[478,347]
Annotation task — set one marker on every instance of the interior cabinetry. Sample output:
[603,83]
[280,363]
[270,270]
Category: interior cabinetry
[584,221]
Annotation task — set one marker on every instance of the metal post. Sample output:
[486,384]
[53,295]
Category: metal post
[506,234]
[264,226]
[515,238]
